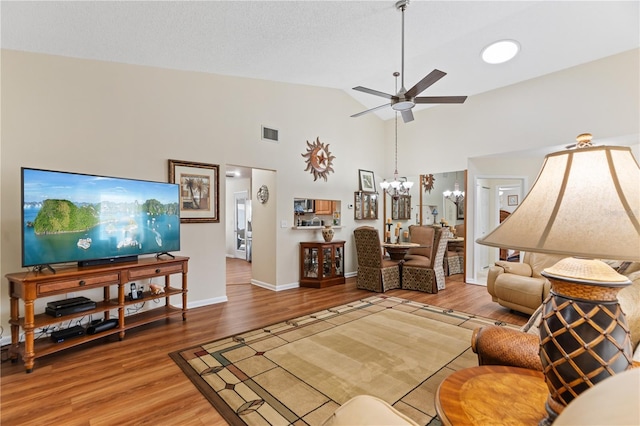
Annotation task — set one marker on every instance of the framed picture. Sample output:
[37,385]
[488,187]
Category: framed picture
[460,210]
[367,181]
[512,200]
[199,190]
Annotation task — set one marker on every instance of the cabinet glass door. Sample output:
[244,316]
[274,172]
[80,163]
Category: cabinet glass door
[310,263]
[338,262]
[327,258]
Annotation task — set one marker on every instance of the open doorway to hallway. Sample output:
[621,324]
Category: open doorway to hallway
[496,197]
[238,272]
[238,226]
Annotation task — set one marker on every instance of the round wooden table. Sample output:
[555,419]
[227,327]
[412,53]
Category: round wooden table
[492,394]
[398,251]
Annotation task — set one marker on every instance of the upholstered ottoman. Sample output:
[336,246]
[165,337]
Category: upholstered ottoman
[367,410]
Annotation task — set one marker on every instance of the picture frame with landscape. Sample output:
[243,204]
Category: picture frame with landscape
[199,190]
[367,181]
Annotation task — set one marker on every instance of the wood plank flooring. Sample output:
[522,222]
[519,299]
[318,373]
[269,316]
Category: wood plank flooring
[111,382]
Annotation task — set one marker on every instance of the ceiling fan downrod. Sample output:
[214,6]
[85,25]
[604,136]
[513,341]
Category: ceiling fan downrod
[401,5]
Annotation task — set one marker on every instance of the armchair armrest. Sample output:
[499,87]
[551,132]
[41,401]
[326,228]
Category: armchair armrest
[496,345]
[493,273]
[517,268]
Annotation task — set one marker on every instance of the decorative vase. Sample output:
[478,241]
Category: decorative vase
[327,233]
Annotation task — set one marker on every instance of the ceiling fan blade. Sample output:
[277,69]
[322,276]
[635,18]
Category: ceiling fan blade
[370,110]
[440,100]
[431,78]
[407,115]
[373,92]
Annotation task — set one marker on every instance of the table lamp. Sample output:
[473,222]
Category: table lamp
[585,203]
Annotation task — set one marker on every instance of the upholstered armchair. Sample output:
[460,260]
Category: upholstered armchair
[375,273]
[503,346]
[423,268]
[520,286]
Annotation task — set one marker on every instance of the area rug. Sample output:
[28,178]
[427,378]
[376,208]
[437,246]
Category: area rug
[303,369]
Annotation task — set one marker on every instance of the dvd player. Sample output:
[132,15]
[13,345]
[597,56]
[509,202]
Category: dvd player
[73,309]
[57,304]
[60,336]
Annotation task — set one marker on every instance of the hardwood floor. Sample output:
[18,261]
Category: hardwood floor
[135,382]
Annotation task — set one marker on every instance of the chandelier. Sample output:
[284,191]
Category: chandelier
[399,186]
[456,195]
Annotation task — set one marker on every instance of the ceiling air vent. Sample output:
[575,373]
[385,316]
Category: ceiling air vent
[269,134]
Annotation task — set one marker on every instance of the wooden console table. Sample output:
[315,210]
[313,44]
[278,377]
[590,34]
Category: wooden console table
[30,286]
[492,394]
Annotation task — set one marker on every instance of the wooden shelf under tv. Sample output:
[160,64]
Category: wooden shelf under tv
[26,287]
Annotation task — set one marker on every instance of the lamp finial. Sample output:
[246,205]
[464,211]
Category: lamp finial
[584,140]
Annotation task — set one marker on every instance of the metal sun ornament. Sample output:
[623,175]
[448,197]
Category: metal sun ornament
[427,182]
[319,159]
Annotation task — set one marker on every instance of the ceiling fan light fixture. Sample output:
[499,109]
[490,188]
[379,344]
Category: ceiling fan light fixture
[500,51]
[403,105]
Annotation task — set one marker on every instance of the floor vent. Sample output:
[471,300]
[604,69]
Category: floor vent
[269,134]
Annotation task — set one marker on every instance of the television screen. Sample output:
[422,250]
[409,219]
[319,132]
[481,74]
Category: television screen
[72,217]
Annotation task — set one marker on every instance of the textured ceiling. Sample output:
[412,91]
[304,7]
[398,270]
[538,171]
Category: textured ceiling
[330,44]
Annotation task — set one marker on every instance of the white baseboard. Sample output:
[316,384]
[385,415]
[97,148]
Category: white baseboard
[475,282]
[274,287]
[206,302]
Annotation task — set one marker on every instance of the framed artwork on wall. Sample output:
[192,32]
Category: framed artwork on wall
[460,210]
[512,200]
[367,181]
[199,190]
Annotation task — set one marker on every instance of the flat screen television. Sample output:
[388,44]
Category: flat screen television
[73,217]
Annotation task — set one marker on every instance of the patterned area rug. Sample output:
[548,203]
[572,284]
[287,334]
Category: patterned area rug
[301,370]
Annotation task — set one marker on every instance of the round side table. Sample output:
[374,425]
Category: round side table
[492,394]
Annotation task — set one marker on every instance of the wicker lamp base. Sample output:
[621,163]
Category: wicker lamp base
[584,337]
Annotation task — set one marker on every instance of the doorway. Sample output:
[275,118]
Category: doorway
[238,215]
[493,194]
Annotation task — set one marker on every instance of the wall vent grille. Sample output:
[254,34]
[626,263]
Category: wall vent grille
[269,134]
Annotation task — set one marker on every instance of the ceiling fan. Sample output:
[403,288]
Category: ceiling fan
[405,99]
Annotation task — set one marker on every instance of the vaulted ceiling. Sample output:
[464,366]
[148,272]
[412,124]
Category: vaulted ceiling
[335,44]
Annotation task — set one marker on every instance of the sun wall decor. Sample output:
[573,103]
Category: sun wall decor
[319,159]
[427,182]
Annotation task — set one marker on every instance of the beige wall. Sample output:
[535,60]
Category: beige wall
[125,120]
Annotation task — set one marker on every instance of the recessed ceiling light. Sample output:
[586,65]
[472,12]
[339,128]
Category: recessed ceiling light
[500,51]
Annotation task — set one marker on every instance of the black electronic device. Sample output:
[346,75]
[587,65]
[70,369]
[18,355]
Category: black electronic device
[107,261]
[102,326]
[63,303]
[73,309]
[67,333]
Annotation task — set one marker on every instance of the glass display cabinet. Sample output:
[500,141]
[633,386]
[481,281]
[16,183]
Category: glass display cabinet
[401,207]
[321,264]
[366,205]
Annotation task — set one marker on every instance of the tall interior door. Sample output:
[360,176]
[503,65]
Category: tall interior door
[240,224]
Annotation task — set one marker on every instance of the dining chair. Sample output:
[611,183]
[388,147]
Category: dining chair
[425,271]
[375,272]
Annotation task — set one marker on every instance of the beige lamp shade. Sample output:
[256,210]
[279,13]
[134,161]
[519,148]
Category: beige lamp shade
[585,202]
